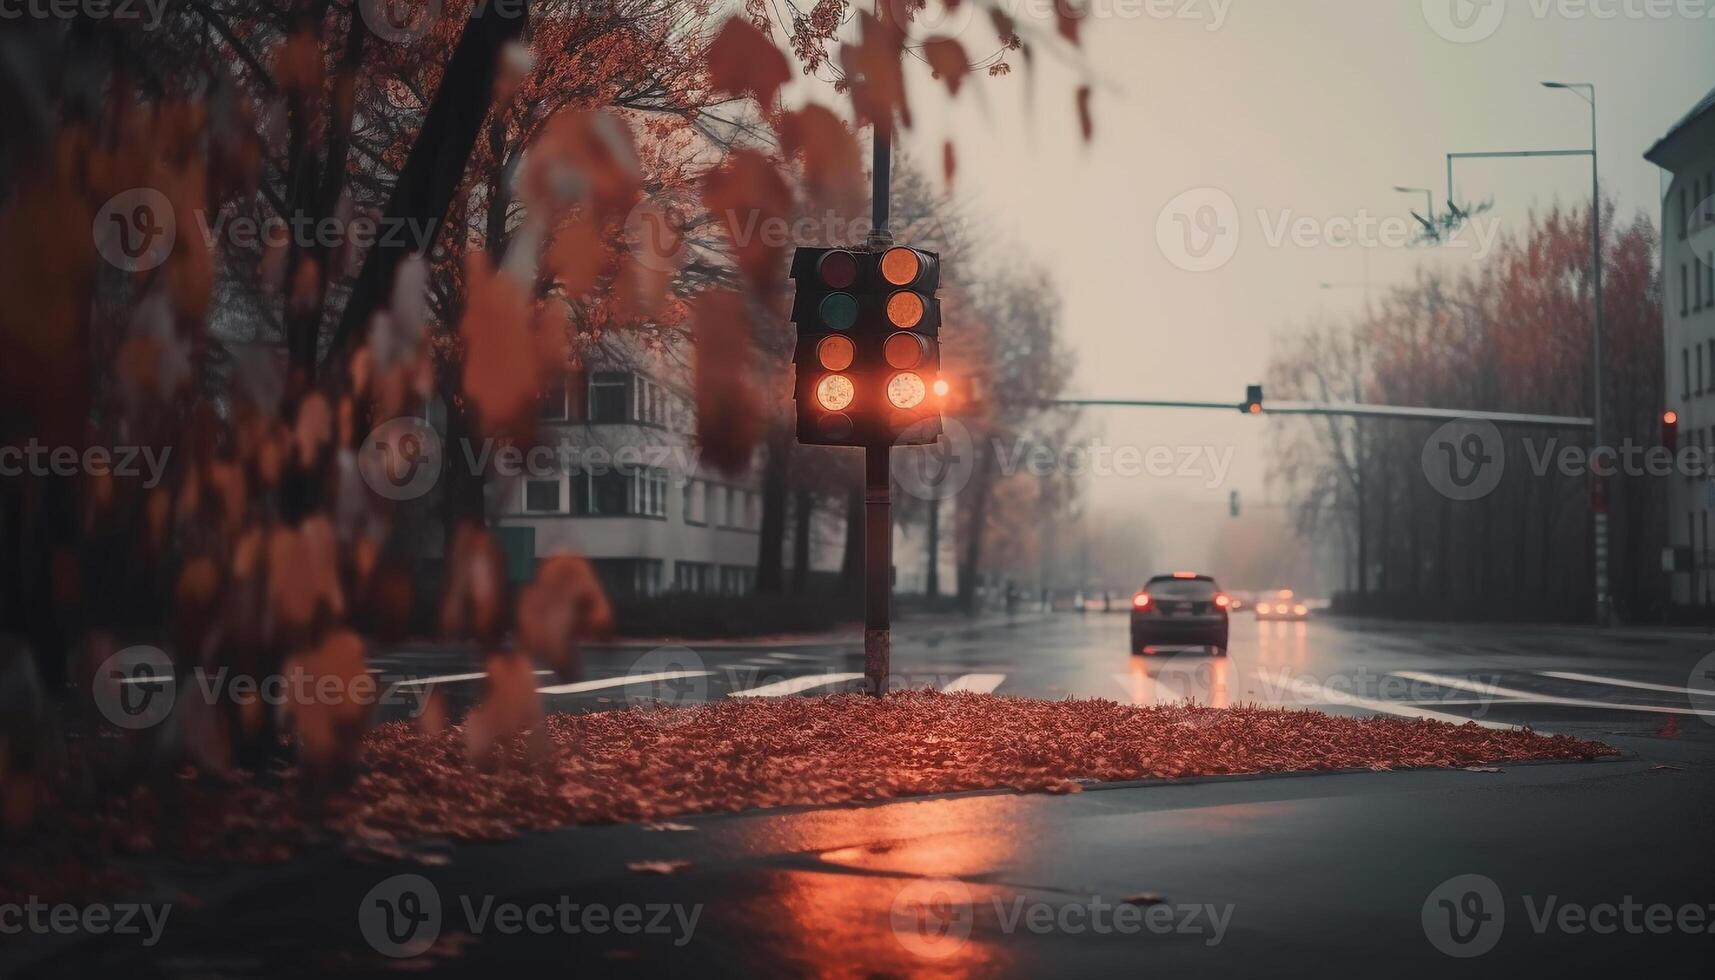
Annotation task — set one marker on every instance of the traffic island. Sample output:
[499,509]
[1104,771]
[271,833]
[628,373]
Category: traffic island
[651,764]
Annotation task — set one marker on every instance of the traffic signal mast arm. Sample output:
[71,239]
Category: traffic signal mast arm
[1348,410]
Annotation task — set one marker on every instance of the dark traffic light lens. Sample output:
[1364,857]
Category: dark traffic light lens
[901,266]
[836,353]
[839,311]
[838,269]
[904,351]
[905,310]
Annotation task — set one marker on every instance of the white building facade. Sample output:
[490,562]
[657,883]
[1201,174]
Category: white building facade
[1687,156]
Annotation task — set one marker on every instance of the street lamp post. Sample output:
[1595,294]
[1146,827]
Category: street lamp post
[1598,500]
[1587,92]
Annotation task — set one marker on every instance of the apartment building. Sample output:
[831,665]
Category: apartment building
[1687,157]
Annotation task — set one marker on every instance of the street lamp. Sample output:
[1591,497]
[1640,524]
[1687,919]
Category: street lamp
[1429,199]
[1587,92]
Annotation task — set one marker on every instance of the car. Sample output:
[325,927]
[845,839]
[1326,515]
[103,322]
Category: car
[1281,606]
[1182,609]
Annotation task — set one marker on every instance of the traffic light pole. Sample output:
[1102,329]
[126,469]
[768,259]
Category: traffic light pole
[878,479]
[878,569]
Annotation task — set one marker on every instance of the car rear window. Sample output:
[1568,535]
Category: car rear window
[1182,588]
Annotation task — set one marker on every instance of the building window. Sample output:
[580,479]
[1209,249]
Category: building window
[696,502]
[693,576]
[1699,369]
[543,497]
[653,404]
[736,580]
[610,397]
[1684,373]
[1684,292]
[554,404]
[649,493]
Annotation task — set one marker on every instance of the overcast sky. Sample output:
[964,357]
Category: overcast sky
[1298,109]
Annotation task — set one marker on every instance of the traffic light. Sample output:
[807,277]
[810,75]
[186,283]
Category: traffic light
[1670,431]
[869,353]
[1253,400]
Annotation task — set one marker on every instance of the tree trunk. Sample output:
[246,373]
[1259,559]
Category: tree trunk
[803,509]
[851,567]
[437,161]
[771,557]
[932,581]
[980,489]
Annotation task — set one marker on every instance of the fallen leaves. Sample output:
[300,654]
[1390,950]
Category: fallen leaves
[743,61]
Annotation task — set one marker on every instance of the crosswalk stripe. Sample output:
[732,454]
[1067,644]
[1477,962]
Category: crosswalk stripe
[795,685]
[1566,675]
[606,682]
[974,684]
[1531,697]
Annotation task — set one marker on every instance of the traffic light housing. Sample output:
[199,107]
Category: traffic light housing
[1253,401]
[868,359]
[1670,431]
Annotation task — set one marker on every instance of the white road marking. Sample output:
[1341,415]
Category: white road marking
[795,685]
[1326,695]
[448,679]
[801,658]
[1619,682]
[1531,697]
[626,681]
[974,684]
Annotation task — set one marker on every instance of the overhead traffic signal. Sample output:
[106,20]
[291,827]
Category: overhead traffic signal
[1670,431]
[869,356]
[1253,400]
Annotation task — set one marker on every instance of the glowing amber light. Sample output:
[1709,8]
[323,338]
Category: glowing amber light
[905,310]
[907,390]
[836,353]
[836,392]
[942,388]
[901,266]
[1671,418]
[903,351]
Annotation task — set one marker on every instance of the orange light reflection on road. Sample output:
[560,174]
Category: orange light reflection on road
[1174,679]
[868,896]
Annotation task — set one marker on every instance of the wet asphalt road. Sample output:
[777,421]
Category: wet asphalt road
[1566,679]
[1589,869]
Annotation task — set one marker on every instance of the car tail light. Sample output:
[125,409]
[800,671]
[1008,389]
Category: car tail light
[1223,600]
[1264,608]
[1300,610]
[1141,601]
